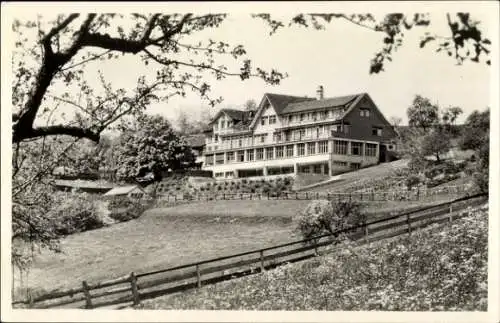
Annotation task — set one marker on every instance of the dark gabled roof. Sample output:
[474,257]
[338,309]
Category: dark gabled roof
[340,101]
[234,114]
[280,101]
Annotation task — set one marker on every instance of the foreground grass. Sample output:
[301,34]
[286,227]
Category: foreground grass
[167,237]
[439,268]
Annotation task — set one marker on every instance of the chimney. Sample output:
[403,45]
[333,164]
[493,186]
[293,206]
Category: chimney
[319,92]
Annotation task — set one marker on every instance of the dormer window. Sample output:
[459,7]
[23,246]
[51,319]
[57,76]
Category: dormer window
[377,131]
[364,112]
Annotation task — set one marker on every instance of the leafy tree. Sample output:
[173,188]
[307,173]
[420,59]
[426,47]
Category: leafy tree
[151,146]
[250,105]
[476,130]
[465,42]
[476,136]
[66,46]
[422,113]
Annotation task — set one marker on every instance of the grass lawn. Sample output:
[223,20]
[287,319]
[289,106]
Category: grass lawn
[441,268]
[166,237]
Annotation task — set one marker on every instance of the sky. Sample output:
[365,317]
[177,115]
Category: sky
[337,58]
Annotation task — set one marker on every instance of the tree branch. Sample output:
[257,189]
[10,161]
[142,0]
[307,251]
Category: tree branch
[76,132]
[48,38]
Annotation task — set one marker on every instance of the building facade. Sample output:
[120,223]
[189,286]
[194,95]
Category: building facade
[290,135]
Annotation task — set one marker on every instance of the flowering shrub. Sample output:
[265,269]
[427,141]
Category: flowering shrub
[323,217]
[442,268]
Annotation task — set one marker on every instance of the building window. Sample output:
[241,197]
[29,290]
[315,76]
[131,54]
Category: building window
[376,131]
[304,169]
[324,115]
[290,118]
[272,119]
[216,138]
[340,164]
[302,133]
[340,147]
[250,155]
[263,138]
[279,152]
[269,153]
[222,124]
[241,156]
[240,142]
[277,137]
[364,112]
[302,116]
[230,156]
[301,149]
[219,174]
[219,159]
[317,169]
[260,153]
[311,148]
[216,126]
[371,150]
[356,148]
[355,165]
[263,121]
[229,174]
[323,147]
[289,151]
[209,159]
[314,116]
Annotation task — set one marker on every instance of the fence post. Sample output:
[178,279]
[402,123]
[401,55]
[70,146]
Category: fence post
[224,196]
[261,260]
[88,297]
[135,291]
[307,196]
[366,231]
[450,216]
[198,276]
[408,222]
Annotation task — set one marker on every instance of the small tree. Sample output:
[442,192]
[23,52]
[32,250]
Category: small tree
[325,217]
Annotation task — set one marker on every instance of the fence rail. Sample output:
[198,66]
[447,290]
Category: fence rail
[131,289]
[402,195]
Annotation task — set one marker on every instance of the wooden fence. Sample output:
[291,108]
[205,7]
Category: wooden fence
[400,195]
[133,288]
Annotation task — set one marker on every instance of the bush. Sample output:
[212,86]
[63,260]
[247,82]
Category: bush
[325,217]
[127,210]
[76,214]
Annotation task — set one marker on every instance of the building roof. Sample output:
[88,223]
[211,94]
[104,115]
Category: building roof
[123,190]
[280,101]
[340,101]
[83,184]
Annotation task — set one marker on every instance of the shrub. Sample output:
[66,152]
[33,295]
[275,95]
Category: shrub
[244,181]
[325,217]
[76,214]
[128,210]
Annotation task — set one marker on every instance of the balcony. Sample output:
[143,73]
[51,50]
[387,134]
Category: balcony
[285,123]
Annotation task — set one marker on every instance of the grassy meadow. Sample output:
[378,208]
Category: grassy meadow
[443,267]
[171,236]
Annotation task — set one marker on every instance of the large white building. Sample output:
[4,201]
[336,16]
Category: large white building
[291,134]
